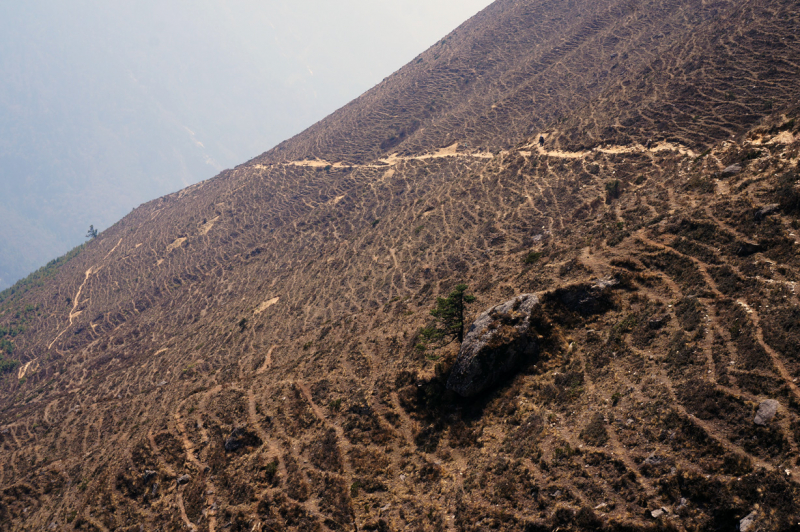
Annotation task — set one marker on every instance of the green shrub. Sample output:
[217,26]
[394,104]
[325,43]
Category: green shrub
[532,257]
[613,189]
[7,366]
[6,347]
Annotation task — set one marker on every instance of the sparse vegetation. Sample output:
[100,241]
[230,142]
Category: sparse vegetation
[532,257]
[666,315]
[613,190]
[449,316]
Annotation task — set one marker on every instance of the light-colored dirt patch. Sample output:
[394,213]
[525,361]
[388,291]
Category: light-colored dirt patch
[784,137]
[113,249]
[159,261]
[449,151]
[265,305]
[73,313]
[391,160]
[444,152]
[267,361]
[745,306]
[139,245]
[178,242]
[316,163]
[563,154]
[24,369]
[206,227]
[611,150]
[184,517]
[723,188]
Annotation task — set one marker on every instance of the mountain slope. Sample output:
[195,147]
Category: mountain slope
[616,72]
[244,354]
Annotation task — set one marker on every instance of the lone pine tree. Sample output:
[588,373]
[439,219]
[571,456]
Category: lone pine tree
[449,314]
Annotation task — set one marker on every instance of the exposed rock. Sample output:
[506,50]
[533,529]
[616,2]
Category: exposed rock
[766,411]
[654,460]
[586,299]
[148,474]
[493,346]
[732,169]
[241,437]
[765,211]
[655,514]
[184,479]
[501,337]
[748,523]
[746,249]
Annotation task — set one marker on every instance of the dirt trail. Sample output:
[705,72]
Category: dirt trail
[611,150]
[73,313]
[267,361]
[617,448]
[391,160]
[184,517]
[751,312]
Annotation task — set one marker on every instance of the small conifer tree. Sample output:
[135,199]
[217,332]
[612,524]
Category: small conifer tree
[449,314]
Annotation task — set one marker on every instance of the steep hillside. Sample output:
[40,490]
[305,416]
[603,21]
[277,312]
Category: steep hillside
[245,354]
[615,72]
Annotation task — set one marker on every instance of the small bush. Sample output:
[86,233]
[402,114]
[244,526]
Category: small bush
[532,257]
[787,193]
[7,366]
[613,190]
[595,432]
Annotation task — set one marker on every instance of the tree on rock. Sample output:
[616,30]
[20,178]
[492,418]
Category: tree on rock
[449,314]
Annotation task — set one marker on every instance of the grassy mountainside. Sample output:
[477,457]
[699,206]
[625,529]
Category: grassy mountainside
[244,354]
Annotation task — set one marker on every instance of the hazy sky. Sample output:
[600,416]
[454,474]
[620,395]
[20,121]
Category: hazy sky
[105,104]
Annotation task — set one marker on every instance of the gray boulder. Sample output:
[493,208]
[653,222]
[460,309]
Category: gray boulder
[766,411]
[494,345]
[748,523]
[240,438]
[732,169]
[765,211]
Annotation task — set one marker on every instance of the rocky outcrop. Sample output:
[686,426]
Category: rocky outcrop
[502,336]
[240,438]
[767,210]
[766,411]
[748,523]
[584,299]
[494,345]
[732,170]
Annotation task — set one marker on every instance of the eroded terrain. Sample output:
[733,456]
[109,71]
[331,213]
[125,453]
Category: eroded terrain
[244,354]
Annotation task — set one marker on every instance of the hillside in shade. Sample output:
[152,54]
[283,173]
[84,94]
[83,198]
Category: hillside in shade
[246,354]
